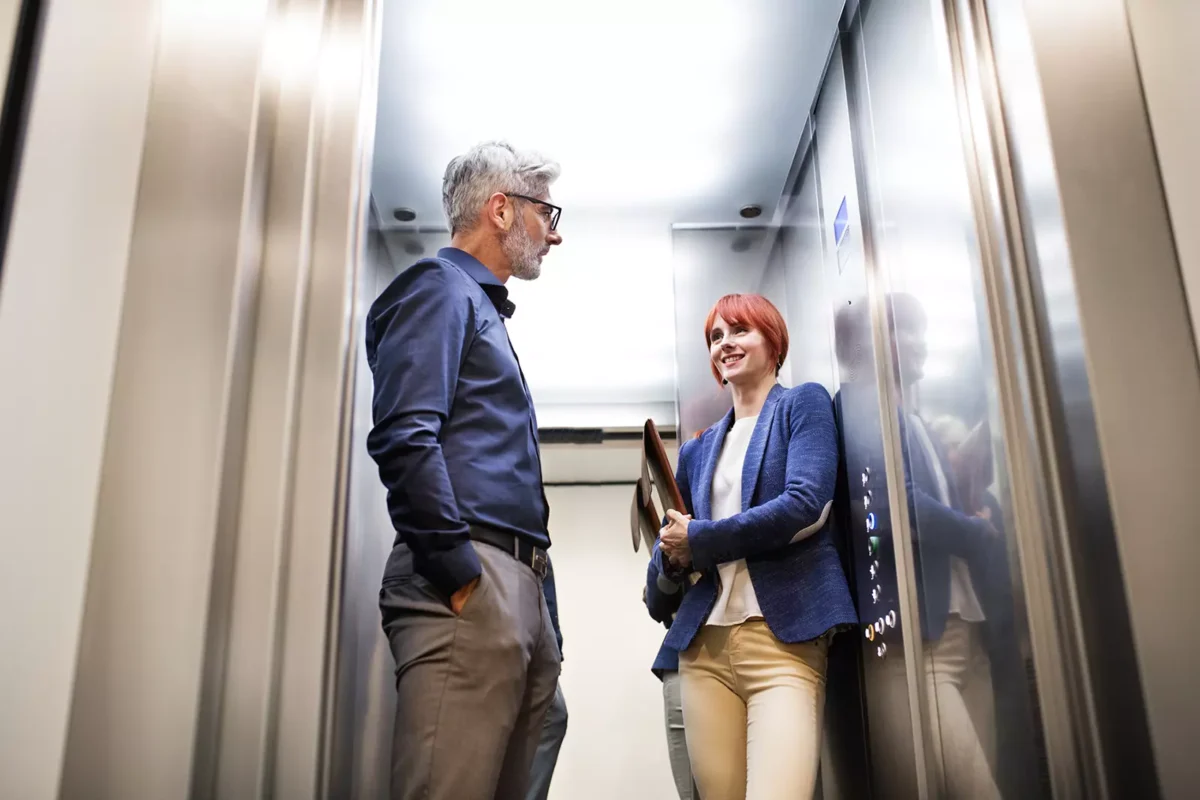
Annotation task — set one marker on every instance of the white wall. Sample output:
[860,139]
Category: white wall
[616,744]
[595,333]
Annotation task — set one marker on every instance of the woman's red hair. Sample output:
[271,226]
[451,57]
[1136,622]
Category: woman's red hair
[753,311]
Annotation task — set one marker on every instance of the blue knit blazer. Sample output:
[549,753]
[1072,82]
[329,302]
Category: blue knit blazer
[784,530]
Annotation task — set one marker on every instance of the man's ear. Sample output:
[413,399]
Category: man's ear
[500,211]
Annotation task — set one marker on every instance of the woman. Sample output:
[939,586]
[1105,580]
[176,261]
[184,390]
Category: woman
[752,634]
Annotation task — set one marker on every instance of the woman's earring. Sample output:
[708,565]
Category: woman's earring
[724,381]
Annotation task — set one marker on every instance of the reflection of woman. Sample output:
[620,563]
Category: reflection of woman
[954,545]
[752,633]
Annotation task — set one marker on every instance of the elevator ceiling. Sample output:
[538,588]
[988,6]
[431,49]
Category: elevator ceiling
[677,110]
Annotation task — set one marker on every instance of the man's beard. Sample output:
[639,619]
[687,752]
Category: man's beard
[522,253]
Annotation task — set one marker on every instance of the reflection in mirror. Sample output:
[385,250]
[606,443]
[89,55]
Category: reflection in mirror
[957,545]
[983,725]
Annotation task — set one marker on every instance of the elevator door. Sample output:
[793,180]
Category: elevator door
[950,687]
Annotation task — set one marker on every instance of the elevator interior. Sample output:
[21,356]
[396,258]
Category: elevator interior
[863,215]
[956,203]
[704,168]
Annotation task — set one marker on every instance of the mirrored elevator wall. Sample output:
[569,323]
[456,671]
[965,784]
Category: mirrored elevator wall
[874,258]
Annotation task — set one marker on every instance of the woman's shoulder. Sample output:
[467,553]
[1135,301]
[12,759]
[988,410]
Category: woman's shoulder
[693,445]
[696,444]
[806,394]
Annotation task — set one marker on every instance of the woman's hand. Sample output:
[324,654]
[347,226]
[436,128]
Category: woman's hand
[674,539]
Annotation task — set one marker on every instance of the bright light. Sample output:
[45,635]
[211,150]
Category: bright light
[583,336]
[692,108]
[293,43]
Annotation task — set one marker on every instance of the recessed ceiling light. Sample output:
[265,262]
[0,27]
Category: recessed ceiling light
[751,211]
[404,214]
[413,247]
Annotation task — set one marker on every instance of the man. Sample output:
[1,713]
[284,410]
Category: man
[455,439]
[554,729]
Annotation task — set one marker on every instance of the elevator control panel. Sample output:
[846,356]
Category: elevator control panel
[879,615]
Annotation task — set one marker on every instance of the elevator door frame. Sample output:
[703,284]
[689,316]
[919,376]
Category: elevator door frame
[1040,402]
[1118,371]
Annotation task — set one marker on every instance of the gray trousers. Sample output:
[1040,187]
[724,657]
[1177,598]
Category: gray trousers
[554,730]
[681,765]
[472,690]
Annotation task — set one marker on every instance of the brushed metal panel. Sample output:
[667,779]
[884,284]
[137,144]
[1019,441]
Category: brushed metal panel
[810,310]
[85,129]
[179,369]
[364,696]
[708,263]
[347,85]
[1164,36]
[980,703]
[1123,379]
[893,687]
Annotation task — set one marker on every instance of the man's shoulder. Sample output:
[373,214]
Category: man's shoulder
[435,279]
[437,274]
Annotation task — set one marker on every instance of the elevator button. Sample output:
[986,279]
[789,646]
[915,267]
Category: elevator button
[870,522]
[890,619]
[866,476]
[879,626]
[872,545]
[881,651]
[875,595]
[867,500]
[870,633]
[873,568]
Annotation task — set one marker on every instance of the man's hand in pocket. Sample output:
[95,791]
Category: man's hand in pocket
[459,598]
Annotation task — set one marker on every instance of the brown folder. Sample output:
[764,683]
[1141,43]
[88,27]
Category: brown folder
[644,519]
[656,474]
[655,455]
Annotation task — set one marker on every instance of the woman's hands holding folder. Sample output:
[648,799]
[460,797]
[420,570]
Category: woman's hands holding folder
[674,539]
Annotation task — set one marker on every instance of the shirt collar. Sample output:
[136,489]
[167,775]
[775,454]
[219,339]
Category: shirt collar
[496,291]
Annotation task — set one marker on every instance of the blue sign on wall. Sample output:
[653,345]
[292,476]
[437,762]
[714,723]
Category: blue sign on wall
[841,223]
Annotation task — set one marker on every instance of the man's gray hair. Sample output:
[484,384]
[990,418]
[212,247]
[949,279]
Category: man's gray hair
[486,169]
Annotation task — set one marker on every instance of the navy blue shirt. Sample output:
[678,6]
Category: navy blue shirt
[455,435]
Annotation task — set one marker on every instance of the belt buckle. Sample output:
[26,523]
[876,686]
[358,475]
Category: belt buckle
[539,563]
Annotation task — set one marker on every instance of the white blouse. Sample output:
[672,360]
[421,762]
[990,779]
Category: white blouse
[736,602]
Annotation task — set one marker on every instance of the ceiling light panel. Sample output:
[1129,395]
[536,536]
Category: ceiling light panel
[686,110]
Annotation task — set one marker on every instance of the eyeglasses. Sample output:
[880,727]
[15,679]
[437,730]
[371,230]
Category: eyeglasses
[554,211]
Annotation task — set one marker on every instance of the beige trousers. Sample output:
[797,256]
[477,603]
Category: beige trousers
[958,693]
[752,709]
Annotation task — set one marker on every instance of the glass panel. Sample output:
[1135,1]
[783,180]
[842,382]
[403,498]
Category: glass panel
[977,667]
